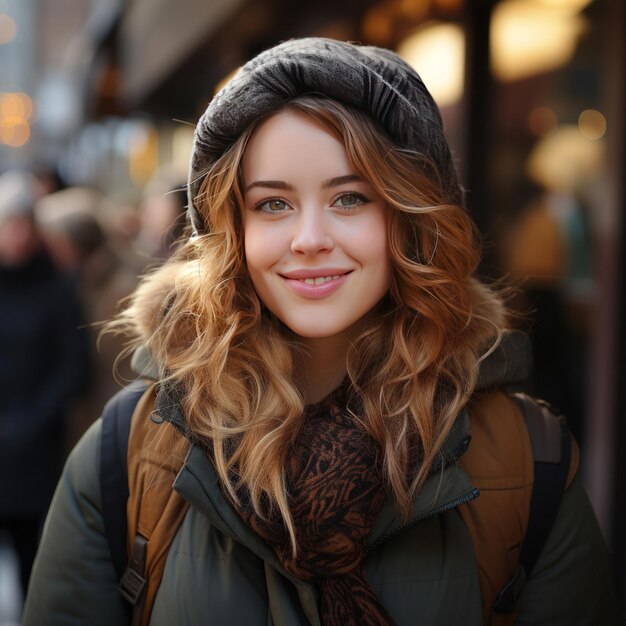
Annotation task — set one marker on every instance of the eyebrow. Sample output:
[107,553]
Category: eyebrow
[280,184]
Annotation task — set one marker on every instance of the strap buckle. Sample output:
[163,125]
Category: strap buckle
[133,581]
[131,586]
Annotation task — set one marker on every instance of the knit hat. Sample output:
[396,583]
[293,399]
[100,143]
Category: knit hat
[374,80]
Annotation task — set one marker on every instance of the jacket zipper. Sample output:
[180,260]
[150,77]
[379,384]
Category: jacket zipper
[464,499]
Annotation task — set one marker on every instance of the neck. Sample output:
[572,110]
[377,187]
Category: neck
[324,366]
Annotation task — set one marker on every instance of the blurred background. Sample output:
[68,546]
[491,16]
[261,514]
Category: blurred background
[98,100]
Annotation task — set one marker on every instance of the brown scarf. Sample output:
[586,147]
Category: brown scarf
[336,491]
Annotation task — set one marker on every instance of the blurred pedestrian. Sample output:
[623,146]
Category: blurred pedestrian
[78,243]
[44,364]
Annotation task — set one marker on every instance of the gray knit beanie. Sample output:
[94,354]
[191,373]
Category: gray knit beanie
[374,80]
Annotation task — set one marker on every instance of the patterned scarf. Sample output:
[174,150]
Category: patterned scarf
[336,491]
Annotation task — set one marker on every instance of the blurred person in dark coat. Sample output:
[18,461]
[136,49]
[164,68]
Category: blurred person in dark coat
[44,363]
[79,244]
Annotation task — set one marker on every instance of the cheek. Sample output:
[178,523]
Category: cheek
[380,257]
[260,245]
[251,245]
[371,241]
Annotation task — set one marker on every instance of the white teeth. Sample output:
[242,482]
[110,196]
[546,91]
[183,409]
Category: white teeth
[319,280]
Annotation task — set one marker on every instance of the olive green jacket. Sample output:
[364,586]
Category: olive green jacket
[219,573]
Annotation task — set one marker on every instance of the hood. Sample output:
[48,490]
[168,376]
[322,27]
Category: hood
[508,365]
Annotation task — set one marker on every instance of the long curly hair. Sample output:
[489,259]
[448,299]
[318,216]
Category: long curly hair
[412,369]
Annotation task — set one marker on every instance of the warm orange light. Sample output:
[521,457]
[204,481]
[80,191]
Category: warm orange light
[377,24]
[7,28]
[411,10]
[27,104]
[11,106]
[143,155]
[15,110]
[14,131]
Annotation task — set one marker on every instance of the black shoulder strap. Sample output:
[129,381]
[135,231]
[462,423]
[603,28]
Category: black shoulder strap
[116,419]
[551,444]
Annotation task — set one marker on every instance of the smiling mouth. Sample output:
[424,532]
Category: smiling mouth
[310,285]
[320,280]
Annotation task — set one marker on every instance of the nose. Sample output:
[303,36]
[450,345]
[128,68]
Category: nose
[312,234]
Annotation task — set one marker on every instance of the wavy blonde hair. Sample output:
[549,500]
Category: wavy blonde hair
[412,369]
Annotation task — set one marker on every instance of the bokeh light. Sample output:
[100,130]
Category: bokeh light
[592,124]
[27,104]
[529,38]
[143,153]
[14,131]
[565,160]
[16,105]
[437,52]
[15,111]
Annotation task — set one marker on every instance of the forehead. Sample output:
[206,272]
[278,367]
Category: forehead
[290,143]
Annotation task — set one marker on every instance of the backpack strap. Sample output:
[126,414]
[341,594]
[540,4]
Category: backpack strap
[116,419]
[156,452]
[511,450]
[140,456]
[552,453]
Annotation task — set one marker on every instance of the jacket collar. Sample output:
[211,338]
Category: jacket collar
[447,487]
[198,483]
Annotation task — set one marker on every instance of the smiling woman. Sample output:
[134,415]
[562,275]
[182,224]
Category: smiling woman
[325,353]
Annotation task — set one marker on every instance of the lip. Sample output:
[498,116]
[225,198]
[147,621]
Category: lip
[295,280]
[315,273]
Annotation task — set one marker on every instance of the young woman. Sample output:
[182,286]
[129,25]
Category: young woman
[318,340]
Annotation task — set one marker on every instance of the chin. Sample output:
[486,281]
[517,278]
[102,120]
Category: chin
[312,333]
[319,331]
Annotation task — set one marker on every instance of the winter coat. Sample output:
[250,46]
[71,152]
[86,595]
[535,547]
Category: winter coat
[44,364]
[218,571]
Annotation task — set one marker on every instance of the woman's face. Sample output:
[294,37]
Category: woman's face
[315,232]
